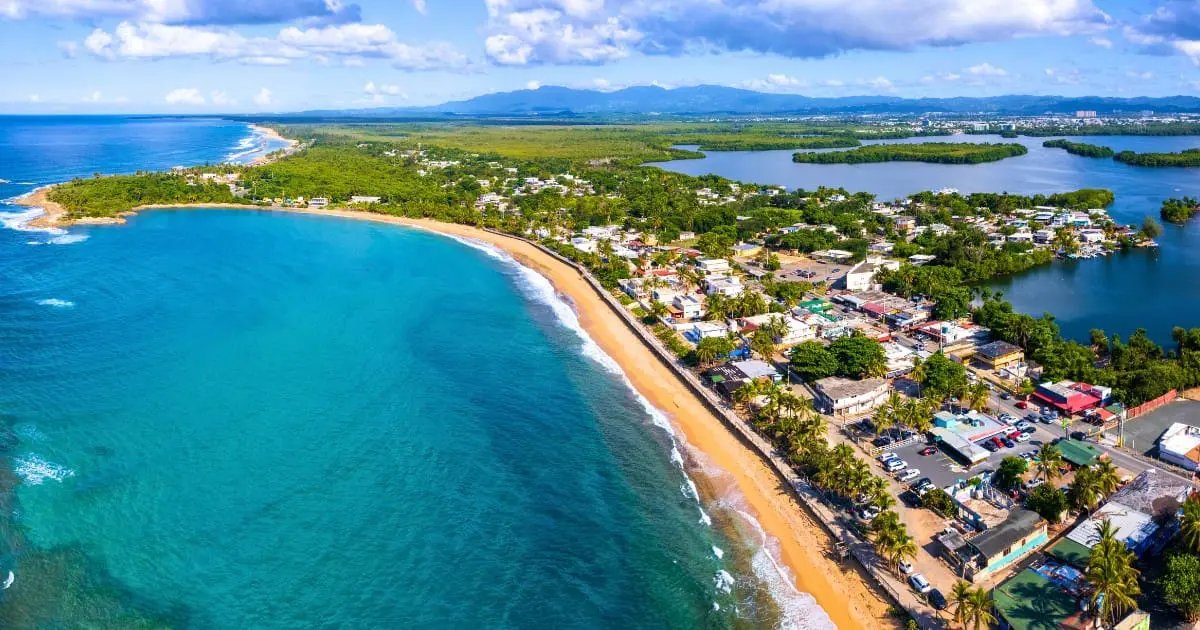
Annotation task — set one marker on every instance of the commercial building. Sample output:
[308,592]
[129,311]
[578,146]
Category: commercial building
[962,433]
[999,355]
[996,547]
[1180,445]
[838,396]
[1070,398]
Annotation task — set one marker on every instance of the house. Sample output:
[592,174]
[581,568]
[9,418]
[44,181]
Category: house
[839,396]
[940,229]
[999,355]
[753,369]
[714,265]
[687,236]
[690,307]
[700,330]
[585,245]
[1069,397]
[1180,445]
[832,255]
[996,547]
[318,202]
[904,224]
[365,200]
[899,359]
[727,286]
[861,276]
[1043,237]
[633,287]
[795,330]
[746,250]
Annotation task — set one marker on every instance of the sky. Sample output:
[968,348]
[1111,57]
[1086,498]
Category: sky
[251,56]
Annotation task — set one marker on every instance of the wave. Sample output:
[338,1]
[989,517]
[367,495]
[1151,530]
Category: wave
[798,609]
[57,303]
[67,239]
[256,142]
[35,471]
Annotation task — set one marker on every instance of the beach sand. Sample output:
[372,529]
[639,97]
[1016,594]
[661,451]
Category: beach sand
[270,134]
[845,593]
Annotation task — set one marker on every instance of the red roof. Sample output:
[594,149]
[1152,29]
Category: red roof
[1074,404]
[663,272]
[874,309]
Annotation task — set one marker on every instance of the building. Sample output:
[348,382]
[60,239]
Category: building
[1070,398]
[921,259]
[689,306]
[700,330]
[1079,454]
[365,200]
[963,433]
[832,255]
[999,355]
[1180,445]
[861,276]
[746,250]
[714,265]
[838,396]
[1085,113]
[996,547]
[318,202]
[753,369]
[727,286]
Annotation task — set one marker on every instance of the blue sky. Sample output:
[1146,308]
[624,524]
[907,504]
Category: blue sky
[224,56]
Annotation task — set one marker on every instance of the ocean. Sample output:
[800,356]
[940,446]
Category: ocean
[229,419]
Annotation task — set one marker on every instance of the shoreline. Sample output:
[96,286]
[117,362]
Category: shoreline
[799,541]
[269,134]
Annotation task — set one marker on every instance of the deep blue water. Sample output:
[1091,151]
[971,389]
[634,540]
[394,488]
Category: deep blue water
[1151,289]
[230,419]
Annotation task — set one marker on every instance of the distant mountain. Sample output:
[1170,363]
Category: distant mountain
[554,101]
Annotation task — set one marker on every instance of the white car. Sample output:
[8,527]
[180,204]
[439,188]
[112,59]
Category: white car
[905,567]
[883,459]
[892,465]
[1024,437]
[919,583]
[908,475]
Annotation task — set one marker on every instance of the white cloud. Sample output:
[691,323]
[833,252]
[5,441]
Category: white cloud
[264,98]
[1102,42]
[221,98]
[775,83]
[94,97]
[193,12]
[878,84]
[1064,77]
[352,41]
[185,96]
[1141,76]
[595,31]
[34,98]
[532,85]
[69,49]
[378,93]
[833,83]
[986,69]
[601,84]
[421,6]
[353,62]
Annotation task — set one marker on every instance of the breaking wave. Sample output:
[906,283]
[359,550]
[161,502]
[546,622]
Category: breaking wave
[35,471]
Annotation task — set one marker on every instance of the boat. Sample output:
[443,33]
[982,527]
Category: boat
[9,580]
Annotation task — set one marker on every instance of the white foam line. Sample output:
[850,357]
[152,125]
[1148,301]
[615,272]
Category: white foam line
[800,609]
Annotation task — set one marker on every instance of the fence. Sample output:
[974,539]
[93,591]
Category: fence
[1151,405]
[862,551]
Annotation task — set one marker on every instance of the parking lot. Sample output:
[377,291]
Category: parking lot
[793,267]
[1142,433]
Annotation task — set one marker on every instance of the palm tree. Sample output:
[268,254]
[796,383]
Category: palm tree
[1112,576]
[917,375]
[1107,480]
[979,610]
[977,396]
[960,599]
[1085,493]
[776,327]
[717,307]
[658,310]
[1049,462]
[763,344]
[1189,530]
[746,394]
[902,547]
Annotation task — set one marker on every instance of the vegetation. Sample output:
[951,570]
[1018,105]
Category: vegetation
[1008,475]
[1179,210]
[941,378]
[1113,578]
[1047,501]
[1180,585]
[934,152]
[1186,158]
[972,607]
[1189,530]
[811,361]
[111,196]
[938,501]
[1080,148]
[1049,462]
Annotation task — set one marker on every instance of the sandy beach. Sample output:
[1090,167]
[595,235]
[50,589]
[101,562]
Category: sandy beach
[843,592]
[269,134]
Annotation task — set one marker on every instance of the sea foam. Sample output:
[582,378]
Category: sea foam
[56,303]
[799,610]
[35,470]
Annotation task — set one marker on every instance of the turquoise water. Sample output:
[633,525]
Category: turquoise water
[1150,289]
[229,419]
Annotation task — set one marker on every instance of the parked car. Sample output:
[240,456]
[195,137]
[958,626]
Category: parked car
[1078,435]
[928,450]
[908,475]
[919,583]
[1024,437]
[869,513]
[1033,483]
[892,465]
[1008,443]
[905,567]
[990,446]
[881,441]
[1021,425]
[1028,430]
[936,599]
[886,456]
[1006,396]
[1021,404]
[998,442]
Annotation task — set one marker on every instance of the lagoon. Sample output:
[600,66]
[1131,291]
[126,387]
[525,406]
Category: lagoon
[1151,289]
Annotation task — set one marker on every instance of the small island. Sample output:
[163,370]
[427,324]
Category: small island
[932,152]
[1080,148]
[1179,210]
[1186,158]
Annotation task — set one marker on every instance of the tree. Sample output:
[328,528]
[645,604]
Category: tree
[1112,576]
[1107,480]
[943,377]
[1181,584]
[1084,490]
[747,393]
[979,613]
[709,349]
[1151,228]
[1049,462]
[658,310]
[960,601]
[762,344]
[1065,241]
[1189,530]
[1047,501]
[938,501]
[859,356]
[1008,475]
[811,361]
[903,547]
[977,396]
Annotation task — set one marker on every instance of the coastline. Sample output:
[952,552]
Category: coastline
[843,592]
[270,134]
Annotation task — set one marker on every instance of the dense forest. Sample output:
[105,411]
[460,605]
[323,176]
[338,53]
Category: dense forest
[110,196]
[934,152]
[1186,158]
[1179,210]
[1080,148]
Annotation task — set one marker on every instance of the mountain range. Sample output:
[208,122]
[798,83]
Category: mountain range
[559,102]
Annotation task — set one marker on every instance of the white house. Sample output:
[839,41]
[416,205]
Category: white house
[838,396]
[318,202]
[362,199]
[728,286]
[689,305]
[700,330]
[714,265]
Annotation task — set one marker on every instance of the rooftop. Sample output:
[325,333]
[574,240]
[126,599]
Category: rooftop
[997,349]
[997,540]
[1031,601]
[836,387]
[1133,527]
[1078,453]
[1154,493]
[756,369]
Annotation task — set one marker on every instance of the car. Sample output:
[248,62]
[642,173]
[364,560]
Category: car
[881,441]
[1045,419]
[869,513]
[1024,437]
[1021,425]
[909,475]
[910,499]
[1027,456]
[924,481]
[1008,443]
[990,446]
[892,465]
[928,450]
[1078,435]
[936,599]
[905,567]
[1006,396]
[1032,417]
[997,442]
[836,269]
[1012,435]
[1006,418]
[919,583]
[886,456]
[1033,483]
[1028,430]
[1021,404]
